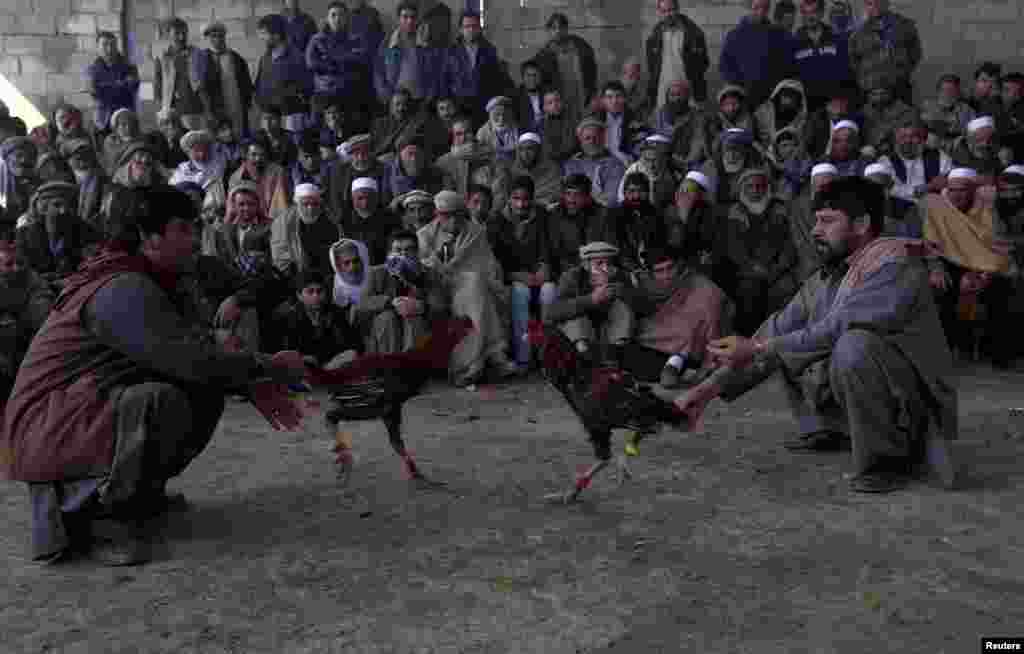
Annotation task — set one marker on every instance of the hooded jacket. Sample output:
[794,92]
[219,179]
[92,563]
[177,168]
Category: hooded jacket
[766,119]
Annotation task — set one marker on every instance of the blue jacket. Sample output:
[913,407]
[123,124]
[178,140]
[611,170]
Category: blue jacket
[388,66]
[340,64]
[823,67]
[299,29]
[468,83]
[284,81]
[114,87]
[757,56]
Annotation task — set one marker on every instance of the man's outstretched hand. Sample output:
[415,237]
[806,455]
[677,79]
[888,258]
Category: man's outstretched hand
[732,351]
[271,397]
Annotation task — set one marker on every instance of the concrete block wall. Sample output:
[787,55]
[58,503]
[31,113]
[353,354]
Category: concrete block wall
[45,45]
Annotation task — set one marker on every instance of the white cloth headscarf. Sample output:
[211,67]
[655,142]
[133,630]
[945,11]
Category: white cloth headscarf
[345,292]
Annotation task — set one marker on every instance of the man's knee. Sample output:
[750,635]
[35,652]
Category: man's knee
[520,297]
[853,349]
[548,293]
[163,398]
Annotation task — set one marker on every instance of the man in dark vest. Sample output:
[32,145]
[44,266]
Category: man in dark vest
[118,392]
[919,169]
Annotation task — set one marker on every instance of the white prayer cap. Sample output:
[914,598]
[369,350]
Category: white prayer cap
[824,169]
[494,102]
[306,191]
[364,184]
[1015,169]
[879,169]
[980,123]
[449,201]
[529,137]
[845,124]
[963,173]
[701,179]
[654,141]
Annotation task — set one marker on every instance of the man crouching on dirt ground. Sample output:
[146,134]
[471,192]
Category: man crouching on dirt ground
[118,393]
[860,347]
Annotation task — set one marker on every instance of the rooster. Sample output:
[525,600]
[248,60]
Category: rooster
[375,386]
[604,397]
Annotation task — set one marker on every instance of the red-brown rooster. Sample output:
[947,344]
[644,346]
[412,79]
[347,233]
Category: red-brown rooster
[375,386]
[604,397]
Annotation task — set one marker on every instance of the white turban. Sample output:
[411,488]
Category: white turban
[700,179]
[364,184]
[824,169]
[879,169]
[306,191]
[529,137]
[1015,169]
[980,123]
[963,173]
[845,124]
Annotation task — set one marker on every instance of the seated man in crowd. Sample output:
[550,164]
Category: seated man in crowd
[480,204]
[300,237]
[98,440]
[531,161]
[901,217]
[579,220]
[523,238]
[59,241]
[314,325]
[25,302]
[413,169]
[860,349]
[919,169]
[558,128]
[457,250]
[883,113]
[683,124]
[19,154]
[270,177]
[961,221]
[657,166]
[637,226]
[735,155]
[281,148]
[368,221]
[844,149]
[596,162]
[93,182]
[692,221]
[500,133]
[401,298]
[679,311]
[979,148]
[760,252]
[417,209]
[946,116]
[360,164]
[309,167]
[469,161]
[592,308]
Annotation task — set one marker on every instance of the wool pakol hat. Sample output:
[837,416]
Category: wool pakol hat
[598,249]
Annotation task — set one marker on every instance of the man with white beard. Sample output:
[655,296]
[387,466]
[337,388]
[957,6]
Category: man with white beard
[596,162]
[300,237]
[759,251]
[919,169]
[92,181]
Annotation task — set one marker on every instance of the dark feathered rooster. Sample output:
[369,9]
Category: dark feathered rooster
[604,397]
[375,386]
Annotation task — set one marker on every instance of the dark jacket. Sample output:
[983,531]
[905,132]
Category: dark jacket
[242,77]
[374,231]
[114,86]
[523,247]
[548,62]
[284,82]
[757,56]
[574,289]
[34,245]
[340,65]
[334,335]
[472,85]
[888,44]
[635,230]
[694,55]
[824,66]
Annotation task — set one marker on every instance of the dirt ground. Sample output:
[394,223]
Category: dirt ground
[722,542]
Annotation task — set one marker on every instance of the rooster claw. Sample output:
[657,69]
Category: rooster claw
[565,498]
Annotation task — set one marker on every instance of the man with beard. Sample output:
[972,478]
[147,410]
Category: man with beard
[840,105]
[93,183]
[403,123]
[979,149]
[417,209]
[636,226]
[500,133]
[684,125]
[368,221]
[361,164]
[947,115]
[522,236]
[569,64]
[113,81]
[17,176]
[401,298]
[119,392]
[531,162]
[676,50]
[786,107]
[759,251]
[655,166]
[411,170]
[961,221]
[592,308]
[679,311]
[822,55]
[136,169]
[25,302]
[205,166]
[736,155]
[179,83]
[844,151]
[732,114]
[692,221]
[883,113]
[577,218]
[470,162]
[283,81]
[860,349]
[557,129]
[472,68]
[596,162]
[270,177]
[457,250]
[301,236]
[56,244]
[919,169]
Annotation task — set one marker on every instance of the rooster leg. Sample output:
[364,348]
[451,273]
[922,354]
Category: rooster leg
[622,471]
[581,484]
[393,422]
